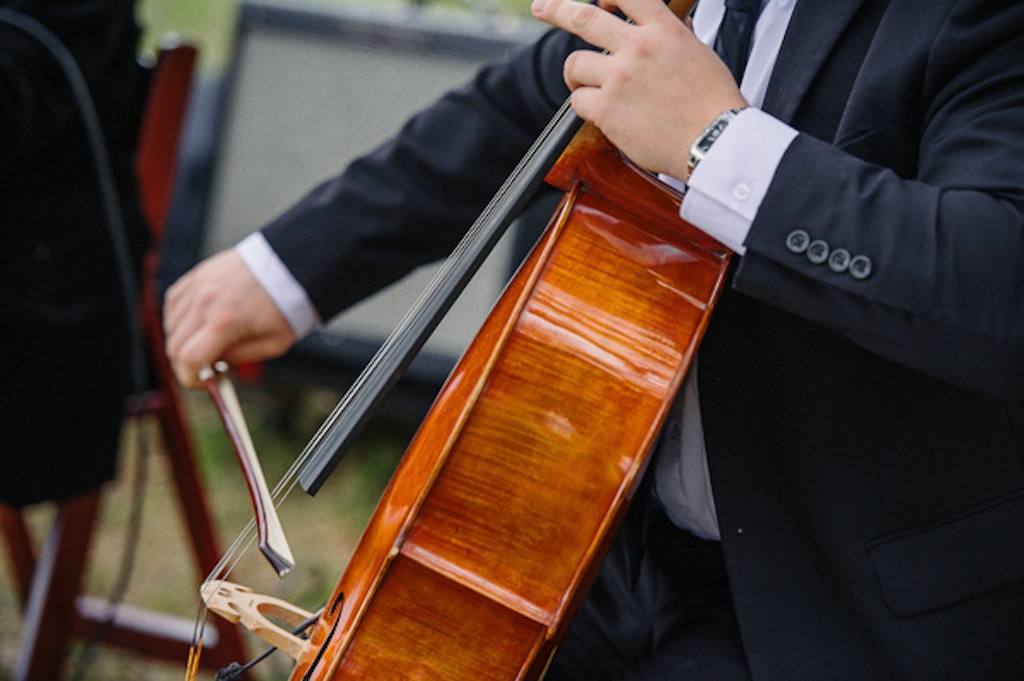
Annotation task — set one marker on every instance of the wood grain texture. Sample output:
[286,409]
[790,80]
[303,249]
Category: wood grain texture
[504,505]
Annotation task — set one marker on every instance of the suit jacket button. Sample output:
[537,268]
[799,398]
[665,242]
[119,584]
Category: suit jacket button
[797,241]
[839,260]
[817,251]
[860,267]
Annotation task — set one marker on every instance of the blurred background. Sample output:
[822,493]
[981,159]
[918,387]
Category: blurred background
[285,93]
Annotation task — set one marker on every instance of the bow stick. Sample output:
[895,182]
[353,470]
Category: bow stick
[272,541]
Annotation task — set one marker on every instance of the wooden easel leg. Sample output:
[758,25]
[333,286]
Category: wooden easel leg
[228,646]
[55,584]
[19,550]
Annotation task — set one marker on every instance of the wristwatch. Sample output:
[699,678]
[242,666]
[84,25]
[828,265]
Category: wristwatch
[700,147]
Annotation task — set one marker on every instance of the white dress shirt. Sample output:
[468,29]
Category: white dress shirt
[722,198]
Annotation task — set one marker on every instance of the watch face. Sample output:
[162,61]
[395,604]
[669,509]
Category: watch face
[712,133]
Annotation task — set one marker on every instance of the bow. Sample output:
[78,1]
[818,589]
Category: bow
[272,541]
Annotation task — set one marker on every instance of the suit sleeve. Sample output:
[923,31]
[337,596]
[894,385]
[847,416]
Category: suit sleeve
[940,286]
[409,201]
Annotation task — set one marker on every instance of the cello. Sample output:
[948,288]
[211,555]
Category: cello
[502,508]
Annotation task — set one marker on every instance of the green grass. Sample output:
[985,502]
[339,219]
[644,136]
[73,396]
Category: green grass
[207,23]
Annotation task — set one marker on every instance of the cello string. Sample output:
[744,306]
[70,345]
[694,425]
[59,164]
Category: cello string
[383,356]
[434,301]
[526,170]
[555,133]
[338,431]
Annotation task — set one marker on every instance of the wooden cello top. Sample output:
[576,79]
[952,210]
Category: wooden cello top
[504,504]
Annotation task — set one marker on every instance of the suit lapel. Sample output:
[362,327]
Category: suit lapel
[813,31]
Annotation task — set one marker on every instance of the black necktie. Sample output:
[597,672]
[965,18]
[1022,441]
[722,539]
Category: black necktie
[733,40]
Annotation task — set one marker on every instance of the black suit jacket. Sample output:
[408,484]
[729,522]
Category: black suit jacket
[865,434]
[64,331]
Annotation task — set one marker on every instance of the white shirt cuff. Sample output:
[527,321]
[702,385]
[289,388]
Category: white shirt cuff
[728,186]
[282,287]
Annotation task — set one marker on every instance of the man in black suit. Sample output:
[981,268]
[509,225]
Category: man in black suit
[839,493]
[64,370]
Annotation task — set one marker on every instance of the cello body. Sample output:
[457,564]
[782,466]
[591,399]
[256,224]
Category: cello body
[499,514]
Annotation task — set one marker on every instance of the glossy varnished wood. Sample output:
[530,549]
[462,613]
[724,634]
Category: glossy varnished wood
[506,500]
